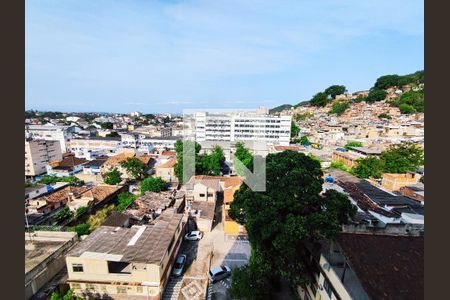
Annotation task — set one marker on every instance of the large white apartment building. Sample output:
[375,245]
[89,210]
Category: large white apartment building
[50,132]
[38,154]
[242,126]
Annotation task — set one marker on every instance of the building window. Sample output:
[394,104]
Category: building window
[121,290]
[210,195]
[327,287]
[90,286]
[139,289]
[77,267]
[202,195]
[76,286]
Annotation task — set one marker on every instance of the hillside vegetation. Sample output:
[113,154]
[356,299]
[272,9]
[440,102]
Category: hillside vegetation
[410,101]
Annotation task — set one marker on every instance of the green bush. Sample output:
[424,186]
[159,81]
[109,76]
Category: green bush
[339,107]
[153,184]
[125,199]
[81,210]
[351,144]
[339,165]
[82,229]
[376,95]
[63,214]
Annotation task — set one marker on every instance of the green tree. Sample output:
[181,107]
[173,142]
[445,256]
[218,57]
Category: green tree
[387,81]
[406,109]
[112,177]
[351,144]
[368,167]
[178,168]
[124,200]
[376,95]
[153,184]
[294,129]
[402,158]
[302,141]
[210,164]
[245,156]
[288,216]
[338,165]
[335,90]
[134,167]
[81,210]
[319,99]
[82,229]
[67,296]
[339,107]
[62,214]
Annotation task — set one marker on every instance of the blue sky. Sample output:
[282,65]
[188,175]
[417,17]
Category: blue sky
[165,56]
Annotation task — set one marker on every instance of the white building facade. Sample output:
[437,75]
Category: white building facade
[49,132]
[242,126]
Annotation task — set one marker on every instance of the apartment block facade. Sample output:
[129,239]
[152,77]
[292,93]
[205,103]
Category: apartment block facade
[38,154]
[242,126]
[51,133]
[131,263]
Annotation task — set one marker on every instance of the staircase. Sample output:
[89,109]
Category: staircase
[172,290]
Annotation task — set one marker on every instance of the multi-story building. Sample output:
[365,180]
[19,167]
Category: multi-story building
[242,126]
[50,132]
[354,266]
[131,263]
[93,147]
[38,154]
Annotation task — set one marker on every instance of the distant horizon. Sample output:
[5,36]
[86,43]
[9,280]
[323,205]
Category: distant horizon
[165,56]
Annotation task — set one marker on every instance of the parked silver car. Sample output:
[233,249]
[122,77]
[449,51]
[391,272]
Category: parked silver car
[219,273]
[193,236]
[179,265]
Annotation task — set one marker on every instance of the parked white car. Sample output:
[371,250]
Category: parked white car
[193,236]
[219,273]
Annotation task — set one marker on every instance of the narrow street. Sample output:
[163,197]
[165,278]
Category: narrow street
[212,250]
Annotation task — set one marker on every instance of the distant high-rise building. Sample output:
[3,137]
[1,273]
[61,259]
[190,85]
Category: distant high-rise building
[242,126]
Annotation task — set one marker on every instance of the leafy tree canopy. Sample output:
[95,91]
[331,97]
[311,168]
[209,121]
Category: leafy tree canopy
[245,156]
[124,200]
[294,129]
[134,167]
[339,107]
[335,90]
[289,215]
[369,167]
[402,158]
[388,81]
[153,184]
[319,99]
[112,177]
[376,95]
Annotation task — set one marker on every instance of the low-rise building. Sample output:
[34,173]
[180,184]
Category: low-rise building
[166,170]
[35,191]
[44,258]
[68,166]
[131,263]
[394,182]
